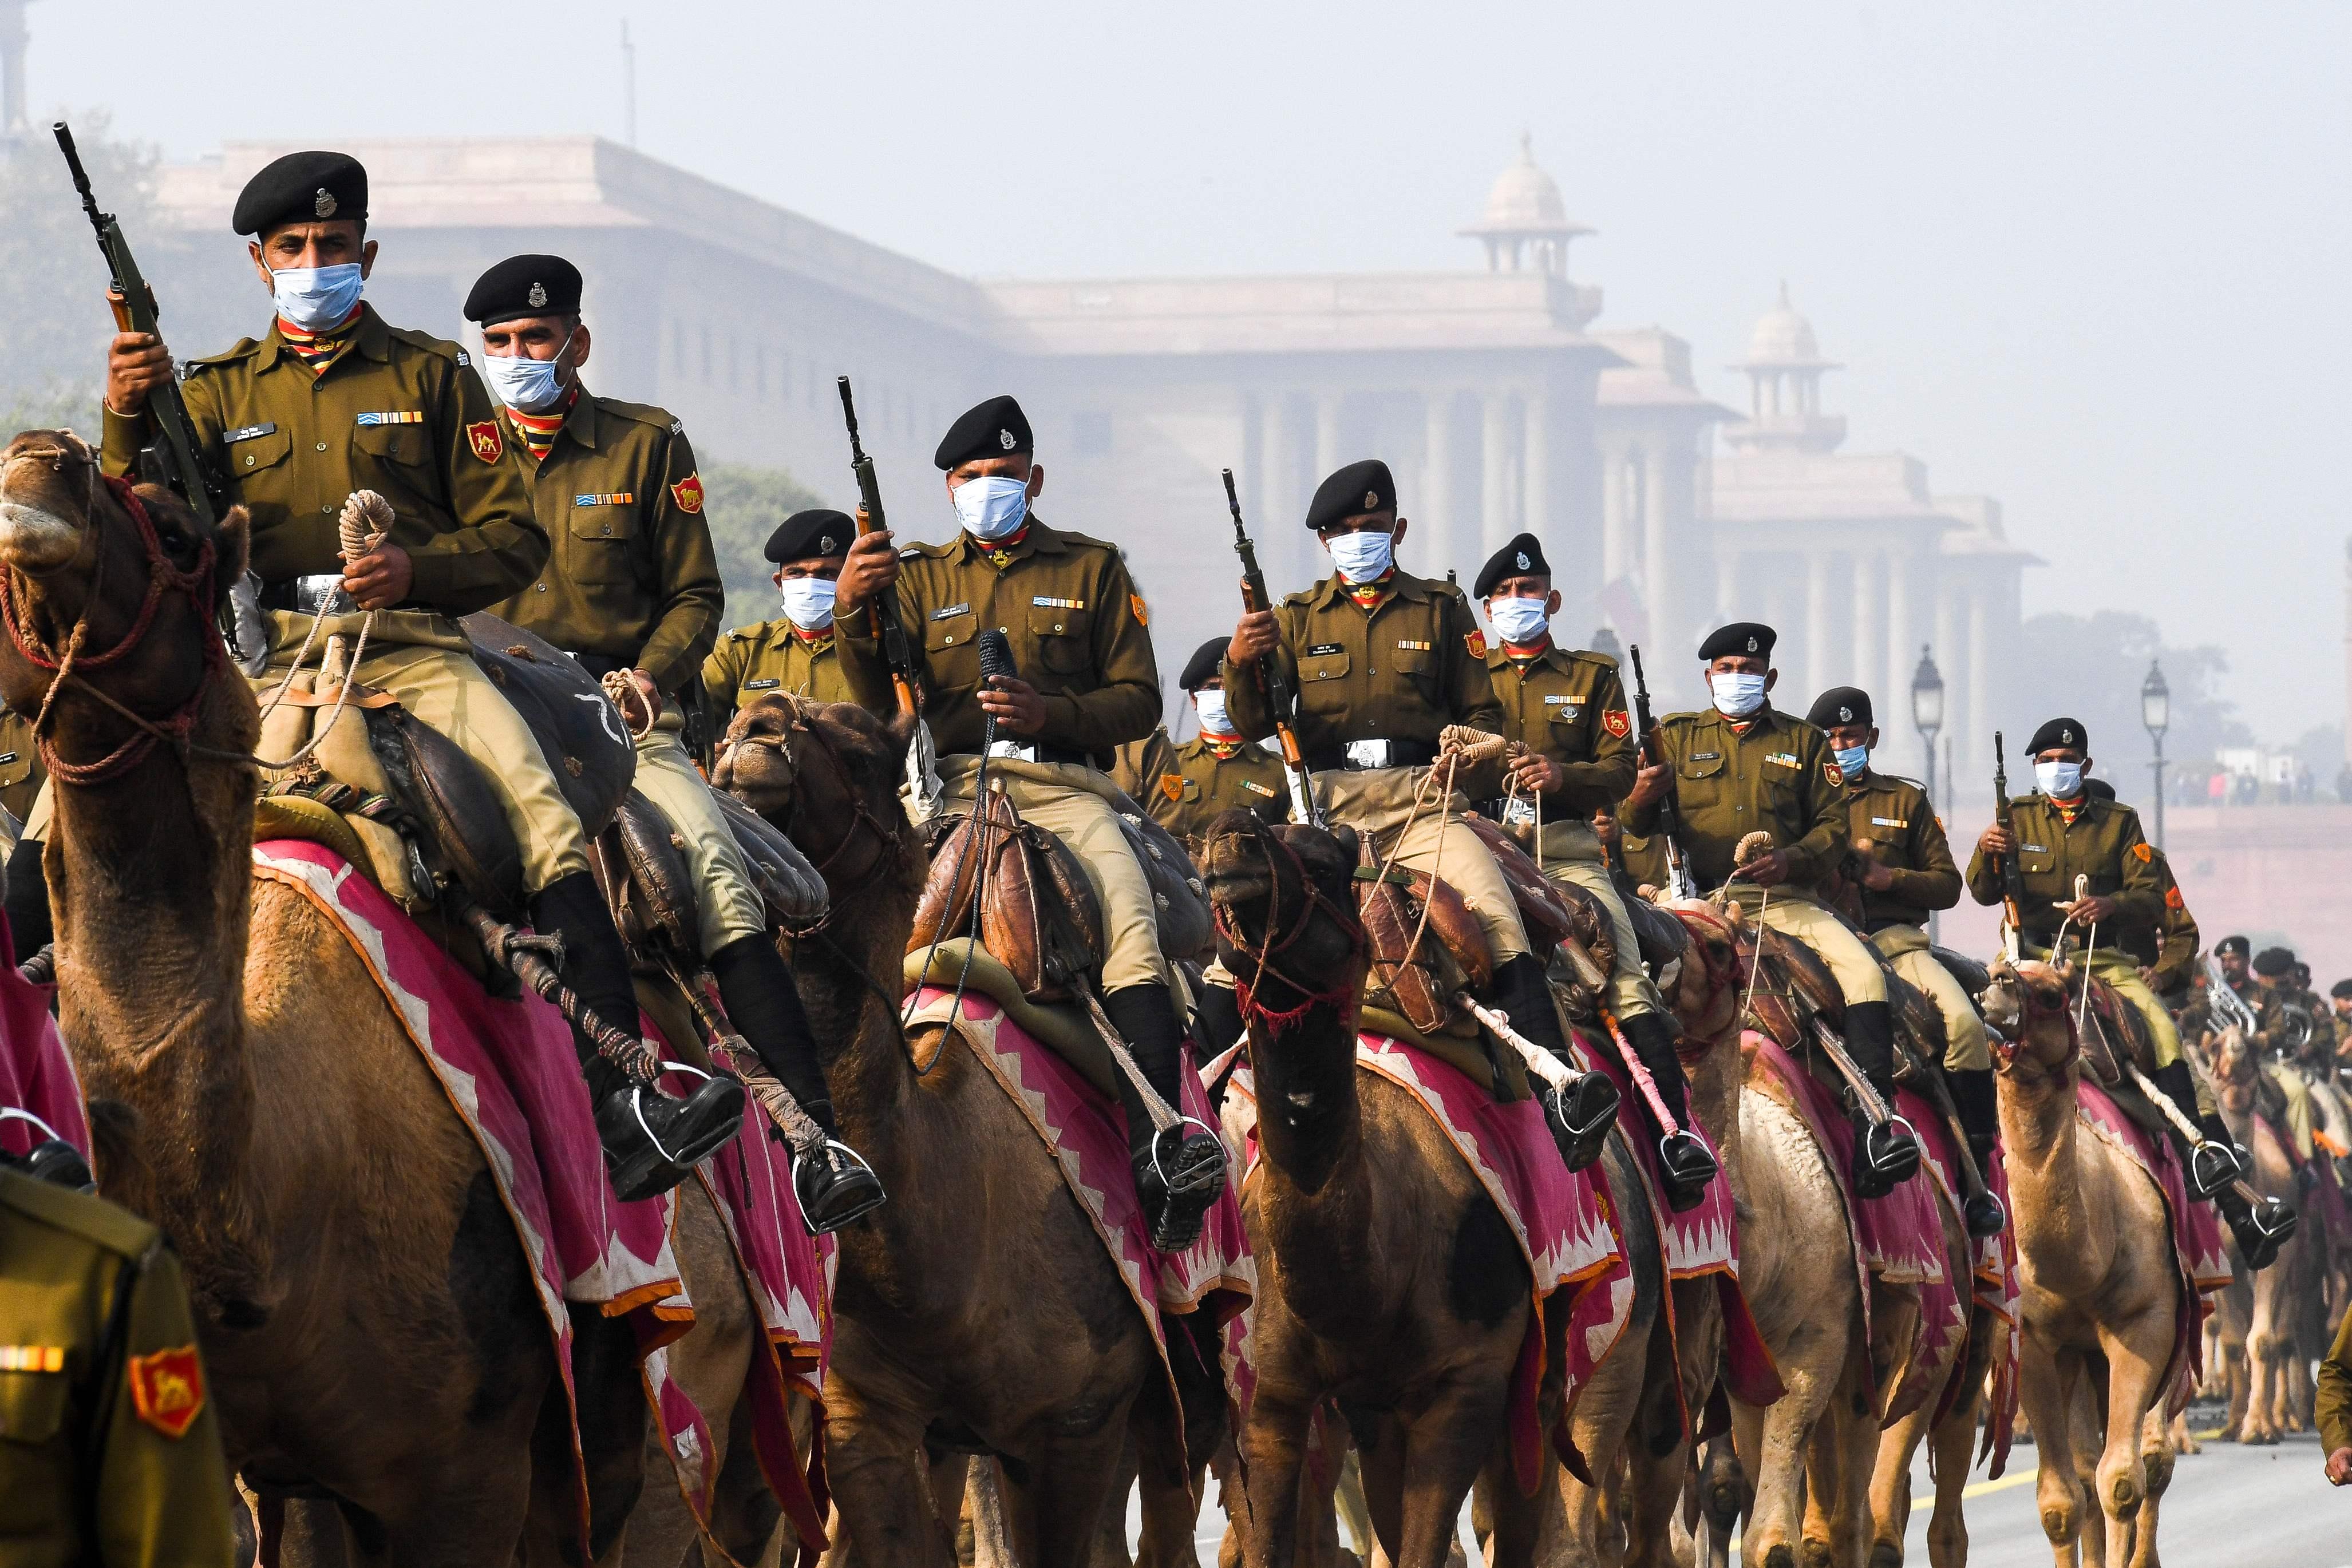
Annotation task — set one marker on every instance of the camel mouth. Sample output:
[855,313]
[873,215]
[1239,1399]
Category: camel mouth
[34,539]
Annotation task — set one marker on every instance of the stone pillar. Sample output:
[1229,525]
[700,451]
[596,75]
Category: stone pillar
[1497,512]
[1436,508]
[1536,507]
[1948,619]
[1667,497]
[1616,532]
[1902,647]
[1866,655]
[1978,738]
[1283,507]
[1820,612]
[1326,438]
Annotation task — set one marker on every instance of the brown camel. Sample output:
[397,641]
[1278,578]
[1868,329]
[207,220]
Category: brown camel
[2275,1292]
[2095,1262]
[978,1310]
[368,1317]
[1388,1279]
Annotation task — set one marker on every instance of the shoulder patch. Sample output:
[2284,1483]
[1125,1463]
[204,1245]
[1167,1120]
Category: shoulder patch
[1617,722]
[485,440]
[2172,899]
[1142,615]
[1475,641]
[167,1389]
[687,493]
[1832,772]
[1172,786]
[2145,852]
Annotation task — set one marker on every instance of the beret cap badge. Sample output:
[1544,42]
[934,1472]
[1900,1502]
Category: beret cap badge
[1751,645]
[1371,500]
[825,545]
[1845,715]
[538,295]
[323,202]
[1006,439]
[1524,562]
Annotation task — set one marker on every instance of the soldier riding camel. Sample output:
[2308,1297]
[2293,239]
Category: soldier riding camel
[792,654]
[1186,787]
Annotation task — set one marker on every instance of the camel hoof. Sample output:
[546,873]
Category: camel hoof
[2188,1445]
[1780,1557]
[2260,1439]
[1886,1555]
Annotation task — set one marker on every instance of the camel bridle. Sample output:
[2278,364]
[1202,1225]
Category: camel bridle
[864,827]
[194,583]
[1262,957]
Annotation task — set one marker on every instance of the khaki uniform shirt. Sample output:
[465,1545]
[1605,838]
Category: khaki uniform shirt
[1403,670]
[21,772]
[2103,842]
[1065,603]
[631,578]
[110,1446]
[1775,774]
[2168,950]
[1185,788]
[2332,1408]
[399,412]
[1571,707]
[772,656]
[1892,818]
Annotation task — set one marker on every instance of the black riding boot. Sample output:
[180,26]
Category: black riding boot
[2214,1159]
[1582,1114]
[834,1186]
[2261,1225]
[651,1139]
[1178,1173]
[1885,1155]
[1682,1156]
[1218,1020]
[28,900]
[1974,1097]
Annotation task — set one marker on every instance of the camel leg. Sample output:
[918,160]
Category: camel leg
[1771,1444]
[871,1462]
[1056,1508]
[2045,1387]
[2132,1392]
[1949,1443]
[1509,1537]
[2156,1466]
[1446,1445]
[1380,1468]
[1837,1477]
[1723,1498]
[1274,1451]
[1890,1485]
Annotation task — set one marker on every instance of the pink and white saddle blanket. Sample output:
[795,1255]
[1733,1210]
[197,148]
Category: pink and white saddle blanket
[1993,1270]
[35,1074]
[512,1074]
[1898,1239]
[1700,1242]
[1084,1131]
[1561,1222]
[2199,1252]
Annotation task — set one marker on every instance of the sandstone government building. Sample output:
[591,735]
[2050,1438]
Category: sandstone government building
[1496,390]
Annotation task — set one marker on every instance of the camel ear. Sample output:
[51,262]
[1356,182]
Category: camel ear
[901,728]
[234,546]
[1349,844]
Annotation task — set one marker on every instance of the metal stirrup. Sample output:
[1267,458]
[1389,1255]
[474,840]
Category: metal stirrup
[1181,1124]
[638,1103]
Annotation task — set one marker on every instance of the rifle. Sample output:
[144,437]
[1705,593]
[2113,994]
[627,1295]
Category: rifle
[2013,871]
[134,311]
[1652,752]
[883,613]
[1271,677]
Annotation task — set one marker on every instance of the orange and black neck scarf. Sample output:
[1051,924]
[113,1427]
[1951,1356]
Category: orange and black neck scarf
[1367,595]
[315,348]
[1524,656]
[539,430]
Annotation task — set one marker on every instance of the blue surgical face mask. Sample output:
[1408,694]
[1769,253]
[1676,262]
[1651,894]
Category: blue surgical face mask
[808,601]
[317,298]
[992,506]
[1853,760]
[1210,706]
[522,383]
[1518,622]
[2059,780]
[1363,557]
[1736,694]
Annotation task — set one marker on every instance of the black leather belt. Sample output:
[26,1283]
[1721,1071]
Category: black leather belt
[1357,756]
[1037,751]
[2048,940]
[308,595]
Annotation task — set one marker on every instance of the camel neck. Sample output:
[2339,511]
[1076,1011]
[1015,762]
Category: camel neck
[2040,1138]
[1311,1136]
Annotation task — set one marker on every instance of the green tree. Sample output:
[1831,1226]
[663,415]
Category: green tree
[54,324]
[744,505]
[2091,667]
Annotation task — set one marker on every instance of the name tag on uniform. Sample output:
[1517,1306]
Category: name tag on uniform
[761,685]
[7,758]
[1706,756]
[964,609]
[610,498]
[1257,788]
[1409,646]
[1785,759]
[248,432]
[1321,649]
[398,416]
[1044,602]
[1890,821]
[2034,850]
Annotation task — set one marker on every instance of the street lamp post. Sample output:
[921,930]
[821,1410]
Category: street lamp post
[2156,712]
[1928,719]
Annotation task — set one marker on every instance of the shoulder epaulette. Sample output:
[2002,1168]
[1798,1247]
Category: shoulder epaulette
[244,348]
[643,414]
[93,1219]
[1587,656]
[429,343]
[1304,596]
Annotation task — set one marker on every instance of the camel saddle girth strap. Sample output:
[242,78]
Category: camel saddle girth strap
[1036,912]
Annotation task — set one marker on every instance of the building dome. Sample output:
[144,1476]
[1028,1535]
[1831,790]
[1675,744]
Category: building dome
[1783,336]
[1524,196]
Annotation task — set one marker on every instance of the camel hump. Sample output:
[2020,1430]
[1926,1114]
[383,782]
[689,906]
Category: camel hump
[80,1215]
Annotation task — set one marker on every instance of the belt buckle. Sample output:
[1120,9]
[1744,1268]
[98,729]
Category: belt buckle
[1518,812]
[1013,751]
[321,593]
[1370,753]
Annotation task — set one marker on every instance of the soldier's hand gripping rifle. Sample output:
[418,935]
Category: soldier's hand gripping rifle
[1271,676]
[883,612]
[185,468]
[1652,752]
[2012,869]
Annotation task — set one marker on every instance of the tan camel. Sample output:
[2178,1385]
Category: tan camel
[1387,1278]
[2275,1292]
[2096,1263]
[978,1310]
[368,1317]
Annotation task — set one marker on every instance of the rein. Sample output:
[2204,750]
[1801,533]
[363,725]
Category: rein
[864,827]
[1222,917]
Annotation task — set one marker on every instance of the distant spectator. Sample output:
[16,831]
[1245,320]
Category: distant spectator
[2344,783]
[2249,792]
[2216,787]
[2305,784]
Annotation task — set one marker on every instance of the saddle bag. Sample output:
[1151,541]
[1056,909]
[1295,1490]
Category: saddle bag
[1661,937]
[1417,983]
[1543,911]
[1920,1035]
[1037,912]
[1177,895]
[453,806]
[581,733]
[647,879]
[791,889]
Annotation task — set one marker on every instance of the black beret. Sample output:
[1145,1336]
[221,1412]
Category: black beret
[804,536]
[302,188]
[1357,489]
[1523,557]
[2272,962]
[2237,945]
[1204,666]
[524,285]
[1739,640]
[1840,705]
[2059,732]
[996,428]
[2340,988]
[2098,789]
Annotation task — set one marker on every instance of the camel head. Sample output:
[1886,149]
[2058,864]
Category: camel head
[826,776]
[122,575]
[2237,1072]
[1286,911]
[2026,1007]
[1705,987]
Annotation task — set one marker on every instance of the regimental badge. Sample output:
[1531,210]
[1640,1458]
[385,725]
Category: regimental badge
[486,442]
[1617,722]
[1142,615]
[167,1389]
[1172,786]
[537,297]
[1523,560]
[687,493]
[2145,852]
[2172,898]
[323,205]
[1476,642]
[1845,714]
[825,545]
[1371,500]
[1005,439]
[1751,645]
[1833,773]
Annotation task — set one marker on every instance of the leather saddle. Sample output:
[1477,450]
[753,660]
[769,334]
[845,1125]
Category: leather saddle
[1178,895]
[2113,1032]
[1416,980]
[1036,912]
[1548,917]
[642,867]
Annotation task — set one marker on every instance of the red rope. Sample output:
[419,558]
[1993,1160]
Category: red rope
[1245,994]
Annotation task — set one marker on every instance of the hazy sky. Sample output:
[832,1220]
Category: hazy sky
[2090,259]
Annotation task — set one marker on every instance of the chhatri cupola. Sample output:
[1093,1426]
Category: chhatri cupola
[1525,226]
[1784,368]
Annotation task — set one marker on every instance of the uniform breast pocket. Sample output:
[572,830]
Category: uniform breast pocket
[947,652]
[1417,666]
[1701,769]
[15,763]
[2040,868]
[1064,639]
[256,454]
[32,1415]
[392,459]
[597,543]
